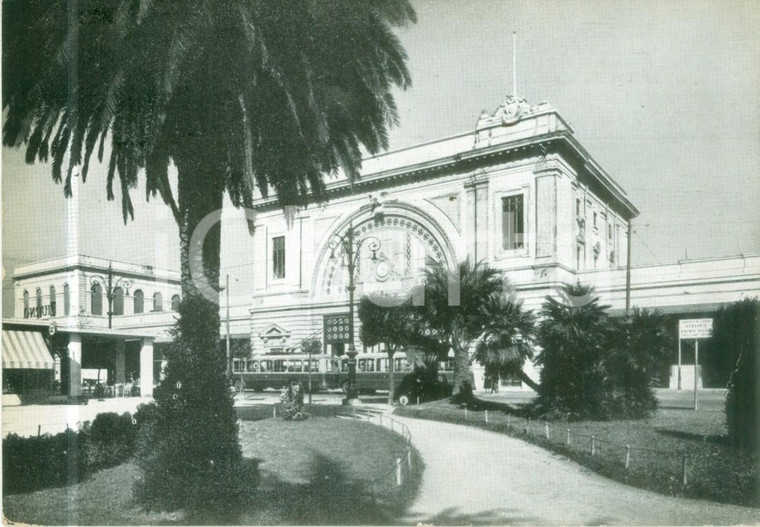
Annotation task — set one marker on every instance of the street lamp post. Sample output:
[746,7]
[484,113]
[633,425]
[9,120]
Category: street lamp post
[352,249]
[110,285]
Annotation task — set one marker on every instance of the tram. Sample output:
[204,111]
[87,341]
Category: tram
[276,371]
[326,371]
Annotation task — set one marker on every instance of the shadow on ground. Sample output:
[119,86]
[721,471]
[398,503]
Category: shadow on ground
[327,496]
[500,516]
[714,439]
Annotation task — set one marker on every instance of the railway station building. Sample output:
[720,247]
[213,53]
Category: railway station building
[518,191]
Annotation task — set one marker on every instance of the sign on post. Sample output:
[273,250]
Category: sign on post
[693,328]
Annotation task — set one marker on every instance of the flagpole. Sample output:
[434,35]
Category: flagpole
[514,63]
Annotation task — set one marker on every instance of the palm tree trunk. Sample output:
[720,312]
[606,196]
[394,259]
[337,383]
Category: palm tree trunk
[462,376]
[200,193]
[527,380]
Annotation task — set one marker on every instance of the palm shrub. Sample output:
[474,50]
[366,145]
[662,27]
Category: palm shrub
[573,335]
[453,315]
[638,345]
[737,332]
[508,341]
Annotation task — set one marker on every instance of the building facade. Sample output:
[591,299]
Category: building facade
[95,314]
[518,192]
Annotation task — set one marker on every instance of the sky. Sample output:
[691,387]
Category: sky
[664,94]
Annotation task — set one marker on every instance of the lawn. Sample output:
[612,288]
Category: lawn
[714,470]
[323,470]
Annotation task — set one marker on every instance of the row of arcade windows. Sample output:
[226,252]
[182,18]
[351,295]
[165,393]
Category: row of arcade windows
[50,308]
[96,301]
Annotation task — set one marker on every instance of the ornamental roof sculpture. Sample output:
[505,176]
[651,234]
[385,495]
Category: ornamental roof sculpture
[510,112]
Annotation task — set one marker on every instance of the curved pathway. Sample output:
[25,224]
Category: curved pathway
[476,477]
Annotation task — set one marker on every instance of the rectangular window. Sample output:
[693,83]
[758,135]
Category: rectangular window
[512,224]
[578,207]
[278,257]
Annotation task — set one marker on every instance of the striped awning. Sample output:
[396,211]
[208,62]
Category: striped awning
[25,349]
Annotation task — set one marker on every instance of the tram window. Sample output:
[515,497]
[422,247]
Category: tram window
[370,365]
[266,365]
[252,366]
[314,365]
[236,365]
[344,366]
[279,366]
[296,365]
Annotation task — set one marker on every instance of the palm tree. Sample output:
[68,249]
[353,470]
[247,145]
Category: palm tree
[640,344]
[508,338]
[573,334]
[396,327]
[239,95]
[453,311]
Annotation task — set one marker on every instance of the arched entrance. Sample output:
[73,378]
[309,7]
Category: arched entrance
[394,250]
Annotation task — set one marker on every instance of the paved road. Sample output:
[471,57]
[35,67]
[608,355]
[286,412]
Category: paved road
[483,478]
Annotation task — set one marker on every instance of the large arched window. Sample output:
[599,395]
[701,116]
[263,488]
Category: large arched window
[53,305]
[158,302]
[139,301]
[26,303]
[39,300]
[66,299]
[118,301]
[175,303]
[96,300]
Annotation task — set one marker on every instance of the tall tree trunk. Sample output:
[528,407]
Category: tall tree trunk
[196,453]
[462,376]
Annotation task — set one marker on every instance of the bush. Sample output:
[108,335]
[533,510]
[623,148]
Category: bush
[33,463]
[594,366]
[111,441]
[741,329]
[291,402]
[189,451]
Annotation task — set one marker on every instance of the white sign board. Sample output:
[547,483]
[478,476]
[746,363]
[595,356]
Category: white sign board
[695,328]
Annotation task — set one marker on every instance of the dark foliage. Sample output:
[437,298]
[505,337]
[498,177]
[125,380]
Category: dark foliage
[111,441]
[508,340]
[33,463]
[639,344]
[573,335]
[192,446]
[453,312]
[737,331]
[423,384]
[398,326]
[291,402]
[595,366]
